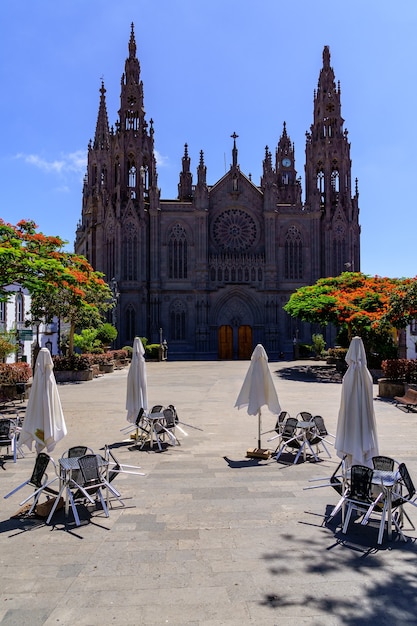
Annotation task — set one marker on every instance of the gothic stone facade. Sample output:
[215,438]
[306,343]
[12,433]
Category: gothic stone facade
[211,270]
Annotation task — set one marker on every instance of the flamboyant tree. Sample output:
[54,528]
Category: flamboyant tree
[356,304]
[60,283]
[352,300]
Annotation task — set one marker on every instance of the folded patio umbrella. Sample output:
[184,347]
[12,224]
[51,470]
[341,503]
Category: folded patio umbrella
[137,387]
[44,421]
[356,434]
[258,388]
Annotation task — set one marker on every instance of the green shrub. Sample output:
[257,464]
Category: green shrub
[152,351]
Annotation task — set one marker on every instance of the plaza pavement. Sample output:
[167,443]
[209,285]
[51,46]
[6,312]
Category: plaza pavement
[207,537]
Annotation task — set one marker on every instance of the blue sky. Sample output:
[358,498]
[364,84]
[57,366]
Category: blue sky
[210,69]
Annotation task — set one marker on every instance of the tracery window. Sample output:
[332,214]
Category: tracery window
[130,323]
[177,253]
[178,317]
[293,260]
[335,181]
[132,178]
[130,253]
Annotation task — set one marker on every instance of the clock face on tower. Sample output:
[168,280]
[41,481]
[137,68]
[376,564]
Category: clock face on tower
[286,162]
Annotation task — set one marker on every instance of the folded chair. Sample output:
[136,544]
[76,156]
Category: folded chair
[289,438]
[94,480]
[166,427]
[397,503]
[358,495]
[279,426]
[177,420]
[318,434]
[38,480]
[137,423]
[116,467]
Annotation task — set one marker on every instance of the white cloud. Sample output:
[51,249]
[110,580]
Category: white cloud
[72,162]
[161,161]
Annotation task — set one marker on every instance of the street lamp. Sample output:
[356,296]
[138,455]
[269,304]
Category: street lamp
[114,288]
[36,348]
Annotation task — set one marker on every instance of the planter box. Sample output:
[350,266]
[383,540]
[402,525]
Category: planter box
[388,388]
[14,391]
[107,368]
[73,376]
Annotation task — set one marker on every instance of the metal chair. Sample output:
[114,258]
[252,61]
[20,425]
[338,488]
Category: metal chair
[93,480]
[358,495]
[289,437]
[38,480]
[384,463]
[279,425]
[318,435]
[8,436]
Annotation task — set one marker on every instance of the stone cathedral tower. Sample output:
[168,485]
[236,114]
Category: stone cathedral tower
[210,270]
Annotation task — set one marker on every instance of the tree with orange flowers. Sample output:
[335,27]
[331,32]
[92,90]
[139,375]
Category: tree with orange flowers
[353,301]
[60,283]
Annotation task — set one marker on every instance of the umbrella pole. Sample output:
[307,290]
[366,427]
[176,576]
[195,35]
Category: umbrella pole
[259,429]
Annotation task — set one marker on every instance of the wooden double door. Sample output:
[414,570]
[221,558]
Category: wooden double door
[235,342]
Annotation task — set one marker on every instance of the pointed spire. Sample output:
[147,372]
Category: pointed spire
[234,151]
[201,170]
[186,180]
[101,138]
[132,43]
[326,58]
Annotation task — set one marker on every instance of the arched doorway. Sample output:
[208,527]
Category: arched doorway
[225,342]
[235,341]
[244,342]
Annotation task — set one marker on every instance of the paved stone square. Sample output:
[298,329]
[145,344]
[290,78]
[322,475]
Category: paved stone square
[207,536]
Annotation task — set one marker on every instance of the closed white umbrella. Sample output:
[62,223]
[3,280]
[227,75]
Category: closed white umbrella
[44,421]
[137,387]
[258,388]
[356,434]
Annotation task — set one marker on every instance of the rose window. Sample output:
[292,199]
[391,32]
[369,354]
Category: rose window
[234,230]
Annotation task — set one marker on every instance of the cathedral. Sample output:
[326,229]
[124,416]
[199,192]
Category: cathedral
[210,270]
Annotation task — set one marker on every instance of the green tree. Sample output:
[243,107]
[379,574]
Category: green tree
[60,283]
[106,333]
[87,341]
[356,304]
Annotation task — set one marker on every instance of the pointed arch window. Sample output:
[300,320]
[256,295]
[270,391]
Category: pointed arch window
[339,255]
[130,323]
[132,179]
[20,309]
[130,253]
[177,253]
[293,255]
[110,256]
[335,180]
[178,319]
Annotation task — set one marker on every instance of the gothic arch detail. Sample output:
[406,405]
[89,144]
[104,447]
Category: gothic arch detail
[178,320]
[177,252]
[293,254]
[130,252]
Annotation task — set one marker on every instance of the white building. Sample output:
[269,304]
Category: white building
[15,318]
